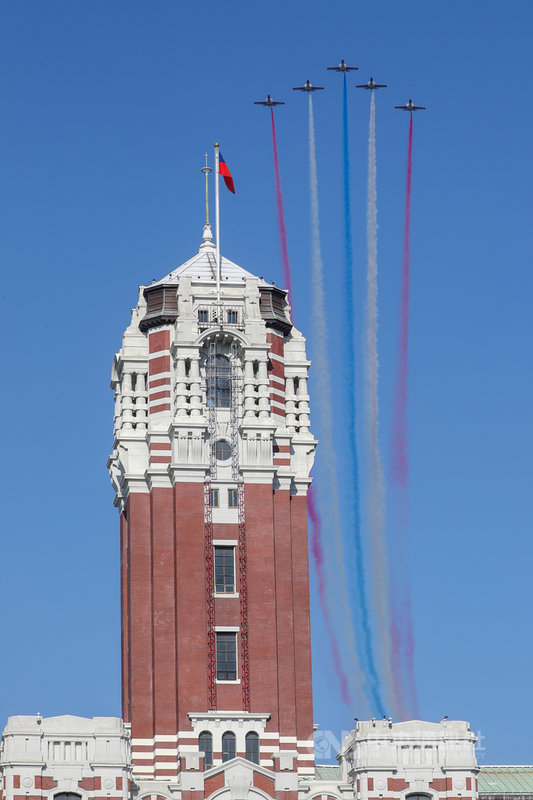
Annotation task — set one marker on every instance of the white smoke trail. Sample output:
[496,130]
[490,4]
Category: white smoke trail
[376,481]
[322,380]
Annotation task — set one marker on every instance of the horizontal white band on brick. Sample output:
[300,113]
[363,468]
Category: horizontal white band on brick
[269,735]
[268,748]
[141,742]
[169,765]
[281,359]
[159,376]
[165,737]
[265,762]
[306,756]
[277,405]
[288,739]
[274,395]
[166,751]
[304,743]
[277,379]
[159,353]
[306,770]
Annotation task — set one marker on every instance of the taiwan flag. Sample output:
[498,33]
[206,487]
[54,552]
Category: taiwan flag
[223,170]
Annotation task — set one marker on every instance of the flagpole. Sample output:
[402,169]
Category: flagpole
[217,217]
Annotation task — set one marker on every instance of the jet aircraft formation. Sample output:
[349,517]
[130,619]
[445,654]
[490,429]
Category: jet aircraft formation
[342,68]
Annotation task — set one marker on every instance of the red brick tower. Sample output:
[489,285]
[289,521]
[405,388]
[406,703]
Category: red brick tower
[210,466]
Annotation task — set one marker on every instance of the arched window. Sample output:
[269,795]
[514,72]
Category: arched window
[418,797]
[228,746]
[252,747]
[67,796]
[219,395]
[205,743]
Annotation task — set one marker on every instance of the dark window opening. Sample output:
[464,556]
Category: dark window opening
[224,569]
[232,498]
[67,796]
[222,389]
[228,746]
[226,646]
[203,315]
[214,498]
[205,743]
[252,747]
[232,317]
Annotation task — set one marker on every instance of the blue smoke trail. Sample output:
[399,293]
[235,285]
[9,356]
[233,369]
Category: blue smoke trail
[357,586]
[323,407]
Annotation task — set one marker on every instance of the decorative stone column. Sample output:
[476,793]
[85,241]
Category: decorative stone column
[140,402]
[249,390]
[127,402]
[196,391]
[303,405]
[264,400]
[290,405]
[181,388]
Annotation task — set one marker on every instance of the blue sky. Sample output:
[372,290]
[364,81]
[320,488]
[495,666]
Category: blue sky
[108,109]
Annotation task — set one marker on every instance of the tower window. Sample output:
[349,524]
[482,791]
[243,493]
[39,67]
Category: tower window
[203,315]
[232,498]
[252,747]
[220,394]
[224,569]
[214,498]
[205,744]
[228,746]
[222,450]
[226,644]
[232,317]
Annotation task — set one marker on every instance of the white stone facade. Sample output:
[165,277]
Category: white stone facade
[381,759]
[43,757]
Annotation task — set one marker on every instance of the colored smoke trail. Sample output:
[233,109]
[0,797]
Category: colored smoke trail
[376,480]
[316,526]
[357,587]
[281,215]
[323,407]
[318,556]
[402,624]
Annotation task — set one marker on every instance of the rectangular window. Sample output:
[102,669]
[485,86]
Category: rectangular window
[232,317]
[224,569]
[226,644]
[203,315]
[214,497]
[232,498]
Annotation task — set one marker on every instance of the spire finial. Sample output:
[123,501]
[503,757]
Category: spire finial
[206,170]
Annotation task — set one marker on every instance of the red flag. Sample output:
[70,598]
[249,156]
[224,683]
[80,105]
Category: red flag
[223,170]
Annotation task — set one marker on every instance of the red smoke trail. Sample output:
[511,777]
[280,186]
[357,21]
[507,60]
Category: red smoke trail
[402,625]
[400,462]
[318,555]
[281,215]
